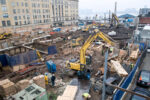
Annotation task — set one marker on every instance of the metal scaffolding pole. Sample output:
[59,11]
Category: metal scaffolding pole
[105,74]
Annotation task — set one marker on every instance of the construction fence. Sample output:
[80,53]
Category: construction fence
[18,59]
[119,94]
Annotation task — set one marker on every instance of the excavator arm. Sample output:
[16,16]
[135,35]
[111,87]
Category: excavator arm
[89,42]
[116,18]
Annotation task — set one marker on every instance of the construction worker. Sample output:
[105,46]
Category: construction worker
[131,66]
[53,80]
[46,79]
[111,49]
[86,96]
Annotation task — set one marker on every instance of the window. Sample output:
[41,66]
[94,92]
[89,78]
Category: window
[16,23]
[17,3]
[20,23]
[8,23]
[5,15]
[15,18]
[25,22]
[22,4]
[4,9]
[27,11]
[12,4]
[3,2]
[26,5]
[14,11]
[3,23]
[19,17]
[18,10]
[22,10]
[24,17]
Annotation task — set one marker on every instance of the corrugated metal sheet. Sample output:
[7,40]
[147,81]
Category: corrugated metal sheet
[144,20]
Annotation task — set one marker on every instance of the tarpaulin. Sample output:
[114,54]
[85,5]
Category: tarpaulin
[52,50]
[3,60]
[22,58]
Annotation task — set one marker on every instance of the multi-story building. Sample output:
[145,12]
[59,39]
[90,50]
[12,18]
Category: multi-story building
[65,12]
[144,11]
[21,13]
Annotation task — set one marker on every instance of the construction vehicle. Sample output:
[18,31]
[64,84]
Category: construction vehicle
[79,65]
[77,42]
[5,36]
[115,21]
[39,55]
[85,29]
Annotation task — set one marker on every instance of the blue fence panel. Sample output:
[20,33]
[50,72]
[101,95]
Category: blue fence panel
[52,50]
[118,95]
[3,60]
[23,58]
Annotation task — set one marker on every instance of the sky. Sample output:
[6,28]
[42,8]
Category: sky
[99,7]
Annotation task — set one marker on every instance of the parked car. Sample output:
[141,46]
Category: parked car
[140,91]
[144,78]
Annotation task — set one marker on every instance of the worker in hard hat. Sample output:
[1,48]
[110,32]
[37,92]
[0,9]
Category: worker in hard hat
[86,96]
[131,66]
[111,49]
[46,79]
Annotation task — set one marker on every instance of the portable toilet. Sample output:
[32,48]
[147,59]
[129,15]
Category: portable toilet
[51,66]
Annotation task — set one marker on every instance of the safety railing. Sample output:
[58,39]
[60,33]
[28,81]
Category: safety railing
[118,95]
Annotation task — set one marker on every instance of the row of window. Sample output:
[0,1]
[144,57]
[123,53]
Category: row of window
[19,17]
[22,23]
[6,23]
[39,11]
[19,4]
[20,11]
[41,0]
[37,5]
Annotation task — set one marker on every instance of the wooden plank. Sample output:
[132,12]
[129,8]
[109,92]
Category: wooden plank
[134,54]
[70,91]
[64,98]
[118,68]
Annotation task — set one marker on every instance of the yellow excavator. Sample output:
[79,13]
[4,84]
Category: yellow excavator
[77,42]
[5,36]
[115,21]
[86,29]
[80,65]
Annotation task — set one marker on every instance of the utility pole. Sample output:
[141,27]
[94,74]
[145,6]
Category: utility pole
[109,17]
[115,12]
[104,79]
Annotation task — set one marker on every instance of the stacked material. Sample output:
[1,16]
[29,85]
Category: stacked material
[7,88]
[18,67]
[22,84]
[39,80]
[69,93]
[64,98]
[134,54]
[118,68]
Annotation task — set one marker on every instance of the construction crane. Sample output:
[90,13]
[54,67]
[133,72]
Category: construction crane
[79,66]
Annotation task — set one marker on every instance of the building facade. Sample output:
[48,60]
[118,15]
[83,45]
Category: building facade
[65,12]
[144,11]
[20,13]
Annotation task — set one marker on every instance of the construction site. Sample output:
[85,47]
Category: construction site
[95,61]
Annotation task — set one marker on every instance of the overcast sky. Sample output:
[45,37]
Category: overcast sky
[99,7]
